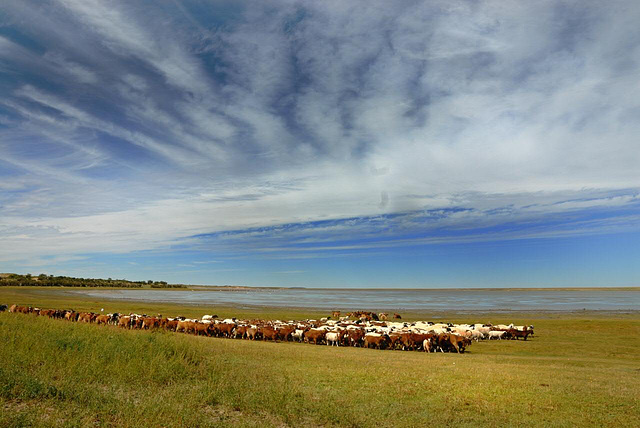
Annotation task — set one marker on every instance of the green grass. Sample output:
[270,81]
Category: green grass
[581,369]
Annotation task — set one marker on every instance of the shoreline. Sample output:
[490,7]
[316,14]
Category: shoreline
[255,288]
[43,294]
[263,288]
[257,307]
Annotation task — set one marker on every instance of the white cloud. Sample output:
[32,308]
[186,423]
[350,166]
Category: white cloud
[138,132]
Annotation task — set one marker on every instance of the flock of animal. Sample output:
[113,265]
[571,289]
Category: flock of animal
[367,330]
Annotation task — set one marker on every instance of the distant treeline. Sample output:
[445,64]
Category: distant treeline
[43,280]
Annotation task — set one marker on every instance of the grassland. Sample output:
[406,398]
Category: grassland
[581,369]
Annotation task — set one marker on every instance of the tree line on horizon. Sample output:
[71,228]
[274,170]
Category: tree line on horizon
[43,280]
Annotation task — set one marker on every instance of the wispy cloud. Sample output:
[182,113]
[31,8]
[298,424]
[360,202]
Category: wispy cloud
[290,272]
[324,127]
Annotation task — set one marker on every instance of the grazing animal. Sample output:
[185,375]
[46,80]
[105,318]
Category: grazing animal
[414,341]
[150,323]
[395,340]
[124,321]
[355,337]
[253,333]
[225,329]
[285,333]
[171,325]
[515,334]
[240,331]
[102,319]
[87,317]
[335,337]
[71,316]
[377,341]
[201,329]
[314,335]
[297,335]
[367,332]
[269,333]
[186,326]
[476,335]
[50,313]
[495,334]
[459,343]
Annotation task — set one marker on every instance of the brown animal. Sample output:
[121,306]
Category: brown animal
[516,334]
[48,313]
[149,323]
[87,317]
[170,325]
[286,332]
[355,337]
[377,341]
[23,309]
[102,319]
[240,332]
[185,326]
[124,321]
[450,341]
[225,329]
[202,329]
[269,333]
[335,314]
[428,344]
[314,335]
[395,340]
[365,315]
[397,317]
[136,322]
[253,333]
[414,341]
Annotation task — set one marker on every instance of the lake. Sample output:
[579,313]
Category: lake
[390,299]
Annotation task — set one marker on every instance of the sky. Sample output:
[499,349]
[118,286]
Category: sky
[322,144]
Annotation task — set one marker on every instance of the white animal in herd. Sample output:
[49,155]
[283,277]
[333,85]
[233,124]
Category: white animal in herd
[496,334]
[332,338]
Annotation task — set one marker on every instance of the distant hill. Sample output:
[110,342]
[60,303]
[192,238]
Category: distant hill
[42,280]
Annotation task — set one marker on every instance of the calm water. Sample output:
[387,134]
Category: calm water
[352,299]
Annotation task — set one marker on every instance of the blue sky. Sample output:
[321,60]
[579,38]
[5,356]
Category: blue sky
[326,144]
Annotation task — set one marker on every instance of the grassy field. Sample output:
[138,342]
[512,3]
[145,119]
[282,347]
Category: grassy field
[581,369]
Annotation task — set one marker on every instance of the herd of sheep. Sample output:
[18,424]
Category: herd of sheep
[359,329]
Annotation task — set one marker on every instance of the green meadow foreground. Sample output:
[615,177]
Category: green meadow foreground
[580,369]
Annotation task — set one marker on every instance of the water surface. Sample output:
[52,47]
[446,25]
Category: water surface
[390,299]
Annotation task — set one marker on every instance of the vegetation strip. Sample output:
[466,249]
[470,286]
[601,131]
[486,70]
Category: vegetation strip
[42,280]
